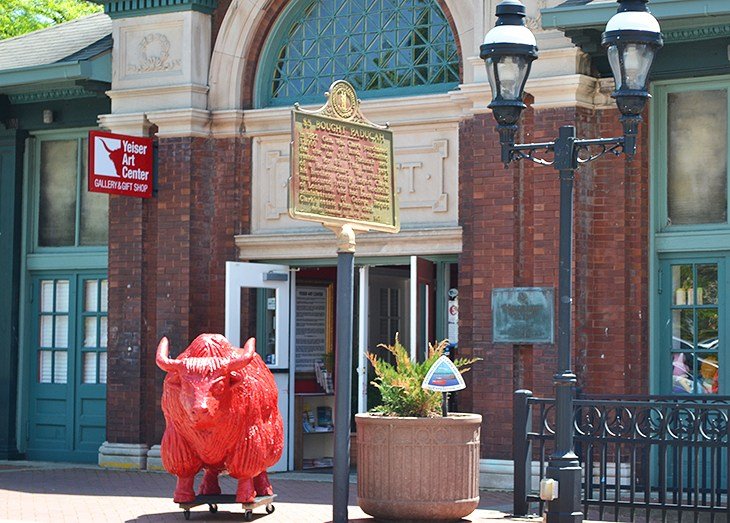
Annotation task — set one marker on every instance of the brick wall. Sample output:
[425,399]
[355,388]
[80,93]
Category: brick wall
[167,271]
[612,349]
[126,319]
[510,219]
[167,267]
[488,214]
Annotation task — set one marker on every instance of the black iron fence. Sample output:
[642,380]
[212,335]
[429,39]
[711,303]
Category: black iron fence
[644,458]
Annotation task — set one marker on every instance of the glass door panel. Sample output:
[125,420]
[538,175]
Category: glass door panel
[692,319]
[50,341]
[90,396]
[94,331]
[695,328]
[67,413]
[264,292]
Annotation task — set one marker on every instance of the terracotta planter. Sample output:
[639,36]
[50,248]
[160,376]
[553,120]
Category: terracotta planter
[418,468]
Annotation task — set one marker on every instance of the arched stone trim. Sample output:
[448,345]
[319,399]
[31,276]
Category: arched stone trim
[246,26]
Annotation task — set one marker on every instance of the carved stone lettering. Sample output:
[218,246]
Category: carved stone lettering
[421,176]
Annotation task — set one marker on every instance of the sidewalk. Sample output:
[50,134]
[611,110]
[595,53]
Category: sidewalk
[59,493]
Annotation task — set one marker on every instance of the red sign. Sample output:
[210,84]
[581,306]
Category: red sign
[120,164]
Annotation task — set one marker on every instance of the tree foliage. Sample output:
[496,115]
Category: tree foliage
[18,17]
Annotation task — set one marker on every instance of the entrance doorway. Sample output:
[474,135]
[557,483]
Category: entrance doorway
[68,340]
[292,313]
[387,311]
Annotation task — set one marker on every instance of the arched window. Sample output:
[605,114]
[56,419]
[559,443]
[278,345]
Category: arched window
[382,47]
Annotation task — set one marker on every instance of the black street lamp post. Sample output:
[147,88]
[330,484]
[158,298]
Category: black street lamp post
[631,39]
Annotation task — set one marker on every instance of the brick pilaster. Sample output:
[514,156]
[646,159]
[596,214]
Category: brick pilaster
[126,319]
[488,215]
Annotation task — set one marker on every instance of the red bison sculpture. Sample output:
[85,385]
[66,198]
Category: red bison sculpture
[220,405]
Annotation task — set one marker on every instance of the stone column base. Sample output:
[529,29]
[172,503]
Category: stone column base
[496,474]
[154,458]
[123,456]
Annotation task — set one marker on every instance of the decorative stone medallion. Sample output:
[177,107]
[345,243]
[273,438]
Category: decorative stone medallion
[343,99]
[153,53]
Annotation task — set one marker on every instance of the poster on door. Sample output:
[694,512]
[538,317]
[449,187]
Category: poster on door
[313,304]
[120,164]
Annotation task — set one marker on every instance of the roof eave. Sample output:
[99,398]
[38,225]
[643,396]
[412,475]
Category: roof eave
[596,15]
[96,69]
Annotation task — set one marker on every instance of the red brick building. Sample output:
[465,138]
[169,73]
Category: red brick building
[215,82]
[489,227]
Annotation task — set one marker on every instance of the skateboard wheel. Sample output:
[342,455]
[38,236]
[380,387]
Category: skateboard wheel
[186,514]
[270,508]
[213,507]
[248,516]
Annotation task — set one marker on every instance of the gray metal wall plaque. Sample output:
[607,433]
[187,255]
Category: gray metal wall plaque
[523,315]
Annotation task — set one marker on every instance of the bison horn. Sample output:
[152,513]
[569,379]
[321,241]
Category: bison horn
[163,361]
[241,359]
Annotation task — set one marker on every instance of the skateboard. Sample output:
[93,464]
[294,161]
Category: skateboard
[224,499]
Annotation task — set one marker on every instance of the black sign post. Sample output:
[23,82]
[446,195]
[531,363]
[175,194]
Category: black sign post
[343,373]
[345,188]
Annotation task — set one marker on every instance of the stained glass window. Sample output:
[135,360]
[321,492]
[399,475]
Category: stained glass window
[379,46]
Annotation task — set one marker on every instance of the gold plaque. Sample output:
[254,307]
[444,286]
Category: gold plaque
[342,166]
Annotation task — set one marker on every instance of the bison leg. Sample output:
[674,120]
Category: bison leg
[245,493]
[179,459]
[184,492]
[209,486]
[262,485]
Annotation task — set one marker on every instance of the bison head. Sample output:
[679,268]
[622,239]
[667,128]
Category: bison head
[202,377]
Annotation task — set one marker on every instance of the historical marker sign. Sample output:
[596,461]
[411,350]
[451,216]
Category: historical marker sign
[523,315]
[342,166]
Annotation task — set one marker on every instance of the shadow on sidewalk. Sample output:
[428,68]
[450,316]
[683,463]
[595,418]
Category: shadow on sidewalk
[201,515]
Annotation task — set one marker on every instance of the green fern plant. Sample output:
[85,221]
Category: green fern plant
[400,384]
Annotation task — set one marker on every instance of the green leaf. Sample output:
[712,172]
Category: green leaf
[19,17]
[400,382]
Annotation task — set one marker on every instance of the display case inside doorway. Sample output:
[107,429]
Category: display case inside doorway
[314,362]
[314,437]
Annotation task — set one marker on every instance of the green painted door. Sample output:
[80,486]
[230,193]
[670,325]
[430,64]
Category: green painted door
[693,363]
[67,350]
[693,317]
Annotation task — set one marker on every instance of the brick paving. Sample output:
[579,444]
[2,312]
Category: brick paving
[61,493]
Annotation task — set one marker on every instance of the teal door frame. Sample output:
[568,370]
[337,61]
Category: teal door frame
[90,395]
[50,406]
[37,262]
[691,243]
[12,144]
